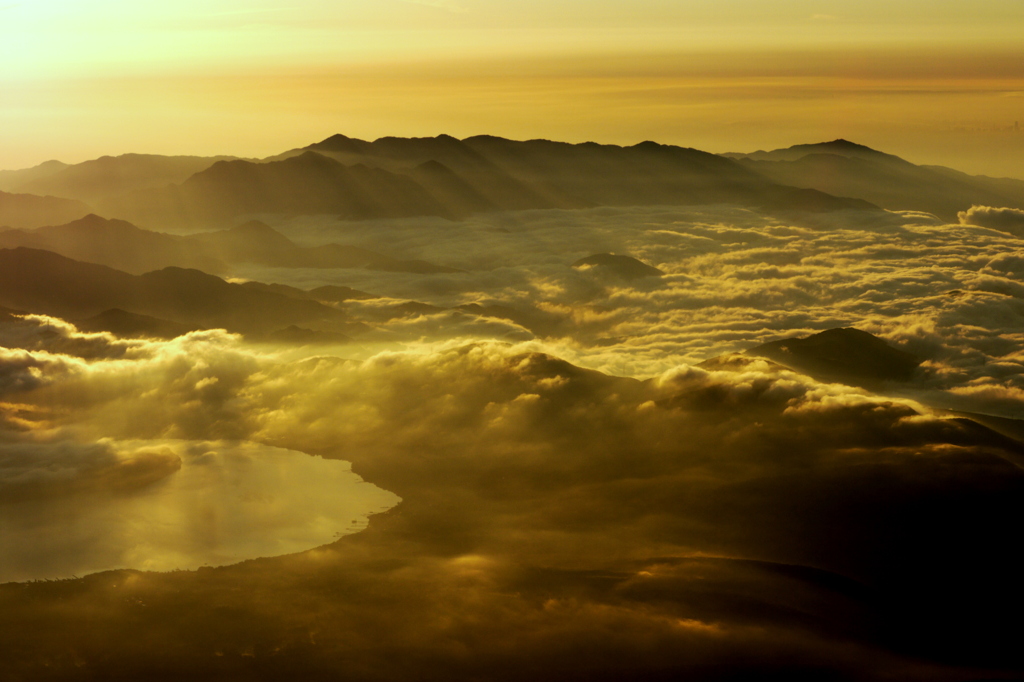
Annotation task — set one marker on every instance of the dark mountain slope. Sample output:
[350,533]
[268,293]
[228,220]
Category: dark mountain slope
[306,184]
[838,147]
[442,176]
[132,325]
[461,178]
[97,179]
[648,173]
[123,246]
[625,267]
[30,210]
[11,180]
[846,169]
[115,243]
[458,196]
[45,282]
[844,355]
[257,242]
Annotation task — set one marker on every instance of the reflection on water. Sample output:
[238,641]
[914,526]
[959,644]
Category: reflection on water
[180,505]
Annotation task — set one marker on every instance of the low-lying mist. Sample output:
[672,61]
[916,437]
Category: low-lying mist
[734,278]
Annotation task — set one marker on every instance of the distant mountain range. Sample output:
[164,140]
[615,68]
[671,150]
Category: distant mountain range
[30,210]
[400,177]
[92,181]
[847,169]
[122,245]
[442,176]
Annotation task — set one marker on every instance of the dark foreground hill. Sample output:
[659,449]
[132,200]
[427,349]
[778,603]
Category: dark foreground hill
[115,243]
[845,355]
[625,267]
[44,282]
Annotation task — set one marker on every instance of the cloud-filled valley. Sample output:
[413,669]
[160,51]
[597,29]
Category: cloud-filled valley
[572,453]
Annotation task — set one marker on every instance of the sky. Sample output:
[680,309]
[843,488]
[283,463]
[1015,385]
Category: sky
[936,82]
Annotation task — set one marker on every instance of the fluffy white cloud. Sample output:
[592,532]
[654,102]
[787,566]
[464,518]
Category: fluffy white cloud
[546,509]
[735,278]
[1003,219]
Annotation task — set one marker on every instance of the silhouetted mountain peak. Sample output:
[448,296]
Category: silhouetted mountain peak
[341,144]
[331,292]
[26,254]
[45,282]
[845,354]
[220,168]
[258,230]
[116,243]
[311,157]
[434,166]
[486,138]
[188,278]
[626,267]
[840,143]
[33,210]
[838,147]
[336,139]
[418,141]
[126,324]
[253,239]
[95,223]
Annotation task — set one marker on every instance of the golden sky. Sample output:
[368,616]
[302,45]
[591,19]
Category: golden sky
[937,81]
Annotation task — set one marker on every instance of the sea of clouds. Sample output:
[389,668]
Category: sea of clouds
[574,487]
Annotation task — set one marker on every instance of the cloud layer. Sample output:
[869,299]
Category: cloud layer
[951,294]
[554,519]
[1009,220]
[578,496]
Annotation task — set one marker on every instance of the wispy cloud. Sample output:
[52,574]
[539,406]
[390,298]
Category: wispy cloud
[249,11]
[448,5]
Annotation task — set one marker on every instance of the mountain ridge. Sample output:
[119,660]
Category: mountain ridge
[45,282]
[443,176]
[850,169]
